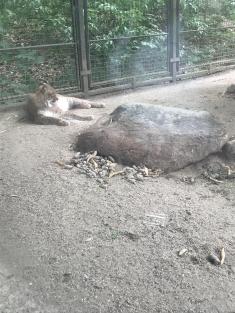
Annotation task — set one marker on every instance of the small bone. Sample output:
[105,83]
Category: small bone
[214,180]
[60,163]
[222,256]
[115,174]
[94,163]
[91,156]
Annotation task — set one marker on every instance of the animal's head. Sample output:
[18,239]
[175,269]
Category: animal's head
[48,92]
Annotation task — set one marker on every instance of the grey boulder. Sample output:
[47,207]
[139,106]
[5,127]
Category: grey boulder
[161,137]
[229,149]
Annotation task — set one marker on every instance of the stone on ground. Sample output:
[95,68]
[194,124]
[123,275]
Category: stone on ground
[167,138]
[231,90]
[229,149]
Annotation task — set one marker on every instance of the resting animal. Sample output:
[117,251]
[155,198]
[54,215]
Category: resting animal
[45,106]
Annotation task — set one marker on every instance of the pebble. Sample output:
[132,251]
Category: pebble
[139,177]
[68,167]
[131,170]
[77,155]
[66,277]
[131,180]
[103,161]
[103,173]
[112,165]
[182,252]
[229,149]
[130,176]
[75,161]
[213,259]
[103,186]
[131,236]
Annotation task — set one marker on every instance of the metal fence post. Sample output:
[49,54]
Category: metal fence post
[173,38]
[81,36]
[85,4]
[76,42]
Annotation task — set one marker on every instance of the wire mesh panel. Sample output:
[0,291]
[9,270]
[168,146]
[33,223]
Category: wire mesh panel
[36,44]
[128,39]
[207,36]
[99,43]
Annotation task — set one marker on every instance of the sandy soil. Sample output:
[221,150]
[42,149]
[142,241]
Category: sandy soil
[68,246]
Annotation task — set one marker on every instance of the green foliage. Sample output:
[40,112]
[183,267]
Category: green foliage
[127,38]
[208,35]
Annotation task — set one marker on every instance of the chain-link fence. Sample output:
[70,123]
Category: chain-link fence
[36,44]
[83,45]
[129,42]
[207,35]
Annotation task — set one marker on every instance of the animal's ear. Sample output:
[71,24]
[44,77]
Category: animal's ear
[42,88]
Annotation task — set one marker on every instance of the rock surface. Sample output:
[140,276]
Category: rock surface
[229,149]
[230,90]
[167,138]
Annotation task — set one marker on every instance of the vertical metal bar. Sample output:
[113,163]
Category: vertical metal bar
[173,38]
[177,38]
[82,40]
[87,40]
[169,33]
[76,43]
[174,42]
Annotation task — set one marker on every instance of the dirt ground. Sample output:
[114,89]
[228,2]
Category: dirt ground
[68,246]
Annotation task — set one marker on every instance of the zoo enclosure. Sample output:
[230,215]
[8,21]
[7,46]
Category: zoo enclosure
[87,47]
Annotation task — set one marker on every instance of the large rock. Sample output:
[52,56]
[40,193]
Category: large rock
[158,137]
[230,90]
[229,149]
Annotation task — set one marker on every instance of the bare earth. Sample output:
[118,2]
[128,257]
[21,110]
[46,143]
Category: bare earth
[68,246]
